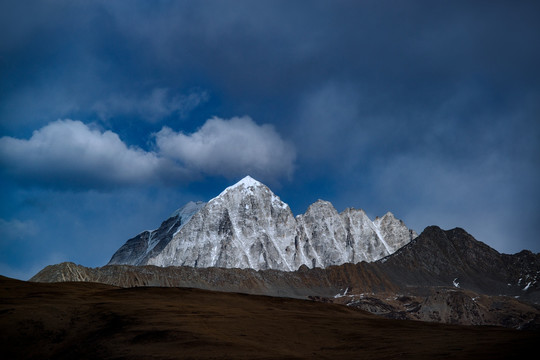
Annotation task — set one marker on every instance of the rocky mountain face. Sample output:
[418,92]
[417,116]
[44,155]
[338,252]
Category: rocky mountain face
[441,276]
[148,244]
[448,276]
[455,258]
[248,226]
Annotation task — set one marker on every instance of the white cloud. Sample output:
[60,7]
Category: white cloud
[69,152]
[230,148]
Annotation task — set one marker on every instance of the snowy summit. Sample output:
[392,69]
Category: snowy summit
[246,183]
[248,226]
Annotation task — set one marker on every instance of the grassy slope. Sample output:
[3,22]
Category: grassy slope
[87,320]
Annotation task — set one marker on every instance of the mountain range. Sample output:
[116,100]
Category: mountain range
[248,226]
[441,276]
[247,240]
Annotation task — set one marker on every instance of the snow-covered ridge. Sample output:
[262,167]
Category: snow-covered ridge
[248,226]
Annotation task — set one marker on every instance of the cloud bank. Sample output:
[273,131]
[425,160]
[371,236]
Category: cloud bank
[71,153]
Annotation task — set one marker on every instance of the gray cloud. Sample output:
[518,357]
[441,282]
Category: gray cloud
[483,194]
[16,229]
[329,123]
[231,148]
[152,107]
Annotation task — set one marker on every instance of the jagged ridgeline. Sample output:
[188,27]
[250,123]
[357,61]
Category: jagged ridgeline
[248,226]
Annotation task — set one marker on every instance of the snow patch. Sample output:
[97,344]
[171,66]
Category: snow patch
[276,201]
[338,295]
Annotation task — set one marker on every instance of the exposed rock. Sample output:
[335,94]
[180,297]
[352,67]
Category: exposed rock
[138,250]
[248,226]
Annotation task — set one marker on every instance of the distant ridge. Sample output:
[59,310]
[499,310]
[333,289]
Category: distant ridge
[441,276]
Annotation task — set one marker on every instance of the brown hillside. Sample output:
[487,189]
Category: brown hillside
[88,321]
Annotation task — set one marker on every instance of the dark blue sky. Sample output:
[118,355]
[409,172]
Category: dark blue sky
[114,114]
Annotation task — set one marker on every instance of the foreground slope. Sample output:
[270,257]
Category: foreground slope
[89,321]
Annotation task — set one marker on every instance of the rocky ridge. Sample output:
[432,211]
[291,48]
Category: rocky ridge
[441,276]
[151,242]
[248,226]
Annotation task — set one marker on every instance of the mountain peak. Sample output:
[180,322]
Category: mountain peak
[321,205]
[246,183]
[388,215]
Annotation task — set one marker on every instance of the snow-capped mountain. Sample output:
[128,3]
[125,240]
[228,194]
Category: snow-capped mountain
[328,238]
[248,226]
